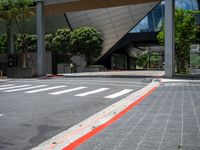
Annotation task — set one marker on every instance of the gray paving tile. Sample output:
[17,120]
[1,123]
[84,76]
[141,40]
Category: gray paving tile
[190,147]
[191,139]
[149,144]
[171,138]
[169,146]
[159,127]
[128,144]
[109,144]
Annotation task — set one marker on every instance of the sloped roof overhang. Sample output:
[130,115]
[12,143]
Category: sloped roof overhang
[61,6]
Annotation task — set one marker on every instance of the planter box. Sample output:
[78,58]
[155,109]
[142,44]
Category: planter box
[63,68]
[195,71]
[16,72]
[95,69]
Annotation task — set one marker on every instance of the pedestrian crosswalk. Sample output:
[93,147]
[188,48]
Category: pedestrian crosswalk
[26,88]
[92,92]
[6,85]
[46,89]
[123,92]
[56,90]
[13,87]
[67,91]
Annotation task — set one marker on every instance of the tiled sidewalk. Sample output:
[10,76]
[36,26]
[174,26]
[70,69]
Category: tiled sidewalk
[169,119]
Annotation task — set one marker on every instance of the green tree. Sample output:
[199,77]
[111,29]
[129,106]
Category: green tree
[28,43]
[142,59]
[61,43]
[155,60]
[15,14]
[87,41]
[29,39]
[49,42]
[186,30]
[6,19]
[3,43]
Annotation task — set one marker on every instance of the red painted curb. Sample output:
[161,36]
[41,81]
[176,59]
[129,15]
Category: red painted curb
[87,136]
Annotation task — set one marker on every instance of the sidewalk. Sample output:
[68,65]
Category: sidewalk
[168,119]
[142,73]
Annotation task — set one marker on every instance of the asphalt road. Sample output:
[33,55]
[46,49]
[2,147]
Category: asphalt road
[34,110]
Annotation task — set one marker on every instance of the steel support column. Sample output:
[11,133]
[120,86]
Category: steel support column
[169,38]
[41,52]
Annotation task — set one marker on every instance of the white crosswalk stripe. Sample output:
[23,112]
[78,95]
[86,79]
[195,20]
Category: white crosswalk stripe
[67,91]
[92,92]
[46,89]
[14,87]
[123,92]
[6,85]
[27,88]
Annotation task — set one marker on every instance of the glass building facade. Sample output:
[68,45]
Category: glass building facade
[153,21]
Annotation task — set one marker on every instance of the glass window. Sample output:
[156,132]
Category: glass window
[153,21]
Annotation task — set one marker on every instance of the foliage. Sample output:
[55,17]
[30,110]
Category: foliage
[186,31]
[155,57]
[6,15]
[142,59]
[61,41]
[26,42]
[87,41]
[3,43]
[49,42]
[16,13]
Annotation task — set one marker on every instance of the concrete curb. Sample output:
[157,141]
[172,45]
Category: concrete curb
[79,133]
[107,76]
[3,80]
[113,74]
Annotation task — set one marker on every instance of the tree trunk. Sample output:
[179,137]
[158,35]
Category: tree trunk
[24,62]
[88,59]
[10,38]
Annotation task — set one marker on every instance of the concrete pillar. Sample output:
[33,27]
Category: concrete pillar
[169,38]
[41,52]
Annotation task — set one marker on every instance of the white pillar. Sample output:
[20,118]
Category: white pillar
[41,52]
[169,38]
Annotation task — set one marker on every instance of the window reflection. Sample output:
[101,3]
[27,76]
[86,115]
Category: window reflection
[153,21]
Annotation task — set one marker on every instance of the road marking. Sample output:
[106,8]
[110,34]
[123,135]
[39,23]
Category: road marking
[67,91]
[6,85]
[46,89]
[14,87]
[115,95]
[28,88]
[81,132]
[81,82]
[92,92]
[1,115]
[104,81]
